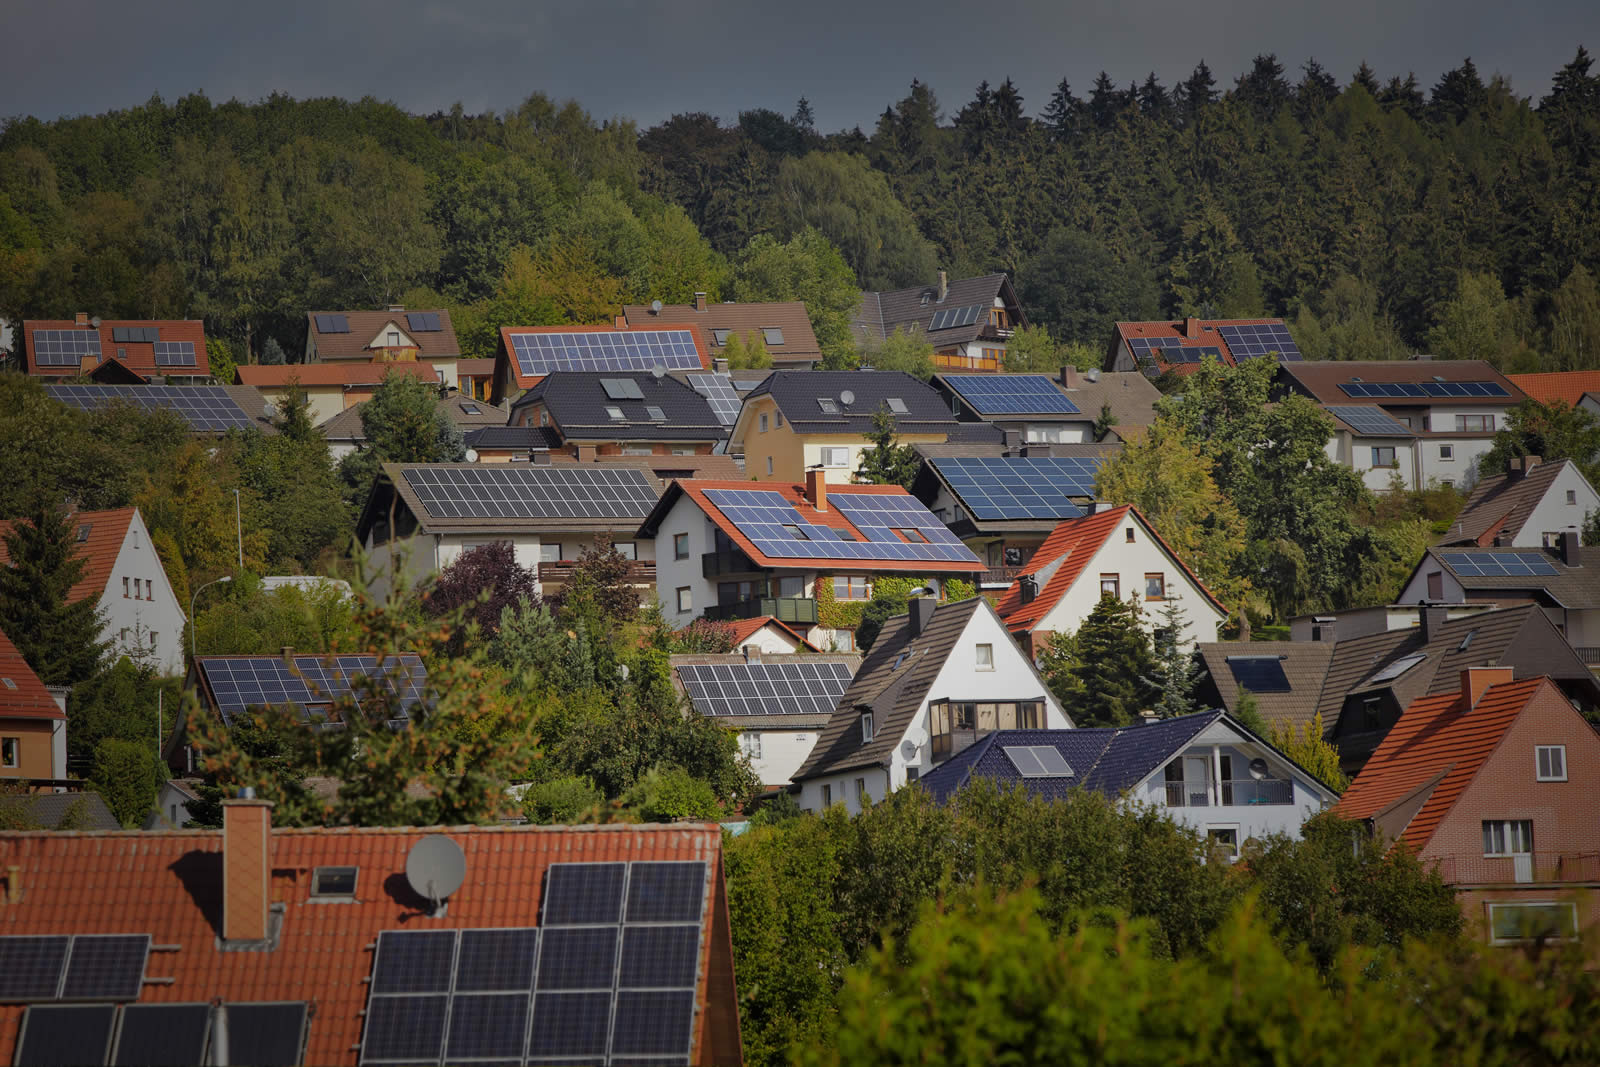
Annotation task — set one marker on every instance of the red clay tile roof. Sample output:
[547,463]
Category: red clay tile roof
[528,381]
[744,629]
[107,532]
[139,357]
[315,374]
[1204,335]
[169,884]
[366,325]
[1567,385]
[1435,739]
[1077,540]
[22,695]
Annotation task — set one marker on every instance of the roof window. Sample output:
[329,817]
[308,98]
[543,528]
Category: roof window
[773,335]
[1398,667]
[897,405]
[828,405]
[912,536]
[795,532]
[720,337]
[335,882]
[471,409]
[83,531]
[9,683]
[615,413]
[655,413]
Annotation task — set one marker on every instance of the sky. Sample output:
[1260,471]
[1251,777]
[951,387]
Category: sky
[647,61]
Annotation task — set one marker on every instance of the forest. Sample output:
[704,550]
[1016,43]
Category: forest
[1378,215]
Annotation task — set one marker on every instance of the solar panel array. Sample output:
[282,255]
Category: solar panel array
[1423,389]
[175,354]
[1259,674]
[333,324]
[802,687]
[719,392]
[206,407]
[1011,394]
[950,318]
[1170,350]
[239,683]
[65,348]
[1370,420]
[135,335]
[777,530]
[1042,487]
[608,977]
[523,492]
[270,1034]
[423,321]
[1038,761]
[1252,341]
[72,967]
[542,353]
[1499,564]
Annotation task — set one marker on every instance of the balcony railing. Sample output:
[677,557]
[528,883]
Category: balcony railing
[726,561]
[1476,869]
[640,572]
[1590,656]
[998,577]
[787,609]
[1235,793]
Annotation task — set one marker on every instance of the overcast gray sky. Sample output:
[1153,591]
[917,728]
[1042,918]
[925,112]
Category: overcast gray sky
[649,60]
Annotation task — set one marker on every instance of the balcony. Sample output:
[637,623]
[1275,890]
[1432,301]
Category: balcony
[1521,868]
[1236,792]
[794,610]
[1590,656]
[998,577]
[640,572]
[726,561]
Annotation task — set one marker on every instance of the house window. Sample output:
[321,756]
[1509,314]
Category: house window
[1514,922]
[1474,424]
[772,334]
[861,792]
[731,593]
[625,549]
[851,587]
[125,588]
[792,585]
[836,456]
[1224,839]
[844,641]
[761,423]
[866,727]
[1447,453]
[750,743]
[394,339]
[1155,587]
[683,451]
[1572,496]
[1127,535]
[10,751]
[769,464]
[1111,585]
[680,546]
[1435,585]
[986,657]
[997,318]
[550,553]
[827,797]
[637,450]
[155,639]
[1384,457]
[1507,837]
[1551,762]
[149,589]
[912,774]
[615,414]
[684,603]
[333,882]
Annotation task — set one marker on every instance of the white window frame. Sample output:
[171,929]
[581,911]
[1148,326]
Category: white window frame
[750,743]
[1555,775]
[769,464]
[685,600]
[680,546]
[761,423]
[867,730]
[861,792]
[549,552]
[1505,838]
[1447,453]
[1572,496]
[637,450]
[827,797]
[844,640]
[1213,828]
[10,751]
[984,657]
[836,456]
[626,549]
[1491,905]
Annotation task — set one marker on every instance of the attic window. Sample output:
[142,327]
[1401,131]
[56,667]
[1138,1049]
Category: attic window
[897,405]
[471,409]
[83,532]
[656,414]
[9,683]
[828,405]
[898,660]
[866,727]
[334,882]
[615,413]
[720,337]
[773,335]
[1398,667]
[1466,642]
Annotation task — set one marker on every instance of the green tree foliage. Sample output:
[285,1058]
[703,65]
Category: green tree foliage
[900,351]
[1176,671]
[59,636]
[1079,286]
[746,355]
[127,774]
[245,619]
[1307,747]
[1101,672]
[1478,322]
[808,268]
[853,206]
[478,586]
[561,801]
[888,462]
[668,794]
[1553,432]
[1346,322]
[292,477]
[122,702]
[403,423]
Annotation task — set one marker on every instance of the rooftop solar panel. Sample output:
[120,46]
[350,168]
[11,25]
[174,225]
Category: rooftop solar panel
[488,1027]
[569,1024]
[1259,674]
[65,348]
[1023,759]
[30,966]
[777,530]
[1054,763]
[423,321]
[238,683]
[105,967]
[752,689]
[208,408]
[583,893]
[1499,564]
[660,957]
[578,957]
[333,324]
[666,892]
[273,1032]
[950,318]
[1011,489]
[1423,390]
[1255,340]
[718,390]
[1369,420]
[511,491]
[542,353]
[404,1030]
[414,961]
[65,1034]
[1011,394]
[653,1022]
[174,354]
[496,960]
[162,1034]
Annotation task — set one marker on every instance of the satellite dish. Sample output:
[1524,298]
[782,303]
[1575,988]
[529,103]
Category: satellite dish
[1258,768]
[908,750]
[269,410]
[472,455]
[95,322]
[1093,374]
[436,867]
[847,398]
[655,307]
[658,371]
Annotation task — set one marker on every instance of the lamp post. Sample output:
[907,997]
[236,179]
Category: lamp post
[238,527]
[192,599]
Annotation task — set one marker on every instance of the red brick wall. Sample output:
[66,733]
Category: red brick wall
[657,448]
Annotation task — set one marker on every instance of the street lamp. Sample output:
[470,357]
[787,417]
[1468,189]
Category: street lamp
[197,592]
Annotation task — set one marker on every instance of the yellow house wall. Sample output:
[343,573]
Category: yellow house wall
[791,454]
[33,737]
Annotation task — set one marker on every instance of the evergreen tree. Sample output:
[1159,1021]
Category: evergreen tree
[1264,90]
[58,636]
[1403,95]
[1307,747]
[272,353]
[1460,93]
[1100,673]
[1197,93]
[1105,102]
[1155,103]
[803,116]
[1367,79]
[1063,115]
[1176,670]
[888,462]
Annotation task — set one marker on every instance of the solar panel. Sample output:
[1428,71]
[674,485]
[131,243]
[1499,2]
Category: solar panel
[65,348]
[1370,420]
[749,689]
[950,318]
[1054,763]
[175,353]
[423,321]
[660,957]
[404,1029]
[1023,759]
[542,353]
[1499,564]
[1259,674]
[496,960]
[1011,394]
[135,335]
[105,967]
[238,683]
[719,393]
[414,961]
[1398,667]
[569,1024]
[510,491]
[621,388]
[207,408]
[30,966]
[583,893]
[666,892]
[1254,340]
[163,1034]
[578,957]
[653,1022]
[67,1034]
[1422,390]
[776,529]
[1038,761]
[488,1027]
[333,324]
[274,1033]
[1009,489]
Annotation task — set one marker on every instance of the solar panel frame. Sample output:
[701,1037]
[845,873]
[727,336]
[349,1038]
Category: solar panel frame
[105,967]
[538,354]
[174,354]
[1369,420]
[1255,340]
[65,1034]
[405,1029]
[667,891]
[162,1034]
[1054,763]
[496,960]
[423,322]
[777,530]
[1023,759]
[1011,394]
[1424,390]
[583,894]
[569,1025]
[409,962]
[31,966]
[578,957]
[65,348]
[665,956]
[954,318]
[487,1027]
[640,1022]
[520,491]
[333,323]
[1499,564]
[239,683]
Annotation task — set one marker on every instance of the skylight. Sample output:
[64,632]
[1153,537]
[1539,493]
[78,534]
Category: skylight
[773,335]
[1398,667]
[1038,761]
[656,414]
[898,406]
[828,405]
[615,413]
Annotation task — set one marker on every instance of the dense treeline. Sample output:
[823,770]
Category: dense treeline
[1380,216]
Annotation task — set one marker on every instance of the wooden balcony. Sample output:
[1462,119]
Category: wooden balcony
[998,577]
[640,572]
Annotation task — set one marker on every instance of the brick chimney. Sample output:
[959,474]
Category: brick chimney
[82,318]
[944,286]
[1191,327]
[752,654]
[396,308]
[1430,618]
[1069,377]
[246,867]
[620,322]
[699,301]
[1324,629]
[817,489]
[1475,681]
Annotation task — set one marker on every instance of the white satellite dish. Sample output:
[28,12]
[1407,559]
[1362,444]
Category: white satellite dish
[1258,768]
[655,307]
[847,398]
[472,455]
[95,322]
[908,750]
[658,371]
[436,867]
[269,410]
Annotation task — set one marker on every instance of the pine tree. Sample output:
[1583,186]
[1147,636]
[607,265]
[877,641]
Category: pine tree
[888,462]
[1100,673]
[1064,113]
[1176,672]
[1198,93]
[1367,79]
[58,637]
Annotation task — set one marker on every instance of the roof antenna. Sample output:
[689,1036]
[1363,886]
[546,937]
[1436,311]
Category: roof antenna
[435,868]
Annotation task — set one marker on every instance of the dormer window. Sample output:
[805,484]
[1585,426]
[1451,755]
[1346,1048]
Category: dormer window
[866,727]
[394,338]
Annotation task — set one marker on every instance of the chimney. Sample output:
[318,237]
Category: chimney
[1569,548]
[1013,441]
[1069,377]
[288,657]
[817,489]
[246,867]
[588,453]
[752,654]
[921,611]
[1430,617]
[1475,681]
[539,457]
[1029,586]
[396,308]
[1147,716]
[83,318]
[699,301]
[1191,327]
[1323,628]
[944,286]
[620,322]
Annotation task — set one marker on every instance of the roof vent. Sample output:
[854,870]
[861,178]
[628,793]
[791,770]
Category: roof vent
[435,868]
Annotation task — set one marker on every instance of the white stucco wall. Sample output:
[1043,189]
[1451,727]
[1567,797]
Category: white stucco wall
[1462,469]
[769,640]
[782,753]
[671,573]
[130,622]
[1553,515]
[1417,587]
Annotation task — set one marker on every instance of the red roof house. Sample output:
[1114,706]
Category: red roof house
[1181,345]
[65,348]
[527,353]
[33,720]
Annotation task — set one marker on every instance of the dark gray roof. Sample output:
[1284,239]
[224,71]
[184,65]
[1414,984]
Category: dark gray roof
[1570,587]
[523,438]
[1503,504]
[465,411]
[1305,668]
[577,402]
[60,811]
[914,309]
[797,394]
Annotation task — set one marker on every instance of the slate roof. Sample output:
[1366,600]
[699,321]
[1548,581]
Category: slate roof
[749,320]
[1567,386]
[796,394]
[366,325]
[323,375]
[85,811]
[1321,379]
[137,356]
[577,401]
[169,884]
[1195,333]
[101,543]
[1438,745]
[913,309]
[1570,587]
[22,694]
[1305,667]
[1502,504]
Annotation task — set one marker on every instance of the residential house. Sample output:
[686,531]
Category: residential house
[143,615]
[1360,685]
[617,413]
[420,516]
[172,804]
[1179,346]
[1421,420]
[782,327]
[1208,771]
[392,335]
[778,705]
[116,351]
[798,421]
[33,721]
[1492,782]
[936,680]
[968,321]
[475,378]
[527,353]
[329,387]
[345,434]
[328,946]
[208,410]
[1529,506]
[727,550]
[511,444]
[767,636]
[1113,552]
[1358,622]
[1574,388]
[1042,410]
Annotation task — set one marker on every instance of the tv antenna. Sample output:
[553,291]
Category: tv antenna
[436,867]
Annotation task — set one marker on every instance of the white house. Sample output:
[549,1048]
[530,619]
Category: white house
[936,680]
[1112,552]
[143,615]
[1529,506]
